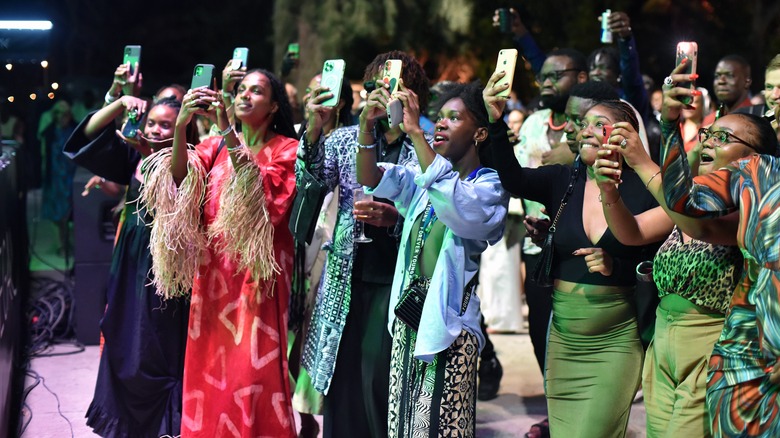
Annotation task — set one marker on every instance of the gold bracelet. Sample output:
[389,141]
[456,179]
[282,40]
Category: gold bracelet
[609,204]
[647,186]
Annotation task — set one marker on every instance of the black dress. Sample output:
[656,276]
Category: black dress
[139,384]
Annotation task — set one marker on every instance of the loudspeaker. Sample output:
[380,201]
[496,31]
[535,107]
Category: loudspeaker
[89,300]
[93,230]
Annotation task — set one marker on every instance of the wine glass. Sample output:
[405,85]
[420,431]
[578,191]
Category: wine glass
[359,195]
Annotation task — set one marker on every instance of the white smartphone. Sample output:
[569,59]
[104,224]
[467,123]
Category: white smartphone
[506,63]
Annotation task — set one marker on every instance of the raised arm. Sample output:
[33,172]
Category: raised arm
[109,113]
[368,173]
[189,109]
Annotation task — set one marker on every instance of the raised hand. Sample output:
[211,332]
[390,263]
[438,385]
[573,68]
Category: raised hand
[411,121]
[493,103]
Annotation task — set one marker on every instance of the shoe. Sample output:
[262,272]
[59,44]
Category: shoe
[490,373]
[539,430]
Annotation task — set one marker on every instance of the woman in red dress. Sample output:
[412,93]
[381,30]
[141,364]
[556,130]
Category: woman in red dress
[235,378]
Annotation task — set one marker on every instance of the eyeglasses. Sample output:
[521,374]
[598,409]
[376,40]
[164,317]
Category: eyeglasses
[722,138]
[554,76]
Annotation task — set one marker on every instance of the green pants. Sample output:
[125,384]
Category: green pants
[594,362]
[675,374]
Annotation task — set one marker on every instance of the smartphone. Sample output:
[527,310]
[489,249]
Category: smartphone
[504,20]
[202,76]
[506,63]
[613,155]
[392,73]
[332,77]
[294,49]
[132,56]
[133,124]
[687,50]
[395,113]
[240,56]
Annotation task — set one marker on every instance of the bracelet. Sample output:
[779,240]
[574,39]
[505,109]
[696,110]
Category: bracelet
[371,133]
[227,131]
[609,204]
[235,148]
[366,146]
[647,186]
[110,98]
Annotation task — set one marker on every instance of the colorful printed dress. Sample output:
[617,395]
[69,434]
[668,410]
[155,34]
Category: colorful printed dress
[236,382]
[741,399]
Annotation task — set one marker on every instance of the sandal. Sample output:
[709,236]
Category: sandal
[539,430]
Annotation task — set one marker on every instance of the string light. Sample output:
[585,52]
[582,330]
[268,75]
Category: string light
[9,66]
[55,86]
[33,96]
[44,63]
[51,95]
[11,99]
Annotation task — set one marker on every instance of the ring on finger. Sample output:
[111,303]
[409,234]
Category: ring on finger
[668,81]
[623,143]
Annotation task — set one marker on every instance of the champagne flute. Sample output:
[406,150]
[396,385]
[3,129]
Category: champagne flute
[359,195]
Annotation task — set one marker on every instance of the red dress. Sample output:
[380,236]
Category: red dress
[235,381]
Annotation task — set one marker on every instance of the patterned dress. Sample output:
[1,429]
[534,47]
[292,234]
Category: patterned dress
[236,382]
[742,401]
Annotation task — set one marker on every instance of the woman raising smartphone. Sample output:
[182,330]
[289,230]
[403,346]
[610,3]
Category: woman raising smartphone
[236,363]
[138,390]
[454,206]
[594,355]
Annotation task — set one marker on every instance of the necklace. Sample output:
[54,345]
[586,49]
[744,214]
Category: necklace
[553,127]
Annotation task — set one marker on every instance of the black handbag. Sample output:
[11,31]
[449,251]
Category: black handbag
[307,204]
[541,271]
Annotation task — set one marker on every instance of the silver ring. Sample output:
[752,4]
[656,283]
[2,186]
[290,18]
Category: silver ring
[668,81]
[623,143]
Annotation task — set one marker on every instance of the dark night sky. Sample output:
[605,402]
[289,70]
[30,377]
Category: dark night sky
[88,37]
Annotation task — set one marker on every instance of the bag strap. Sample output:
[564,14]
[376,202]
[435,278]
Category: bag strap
[565,200]
[219,149]
[426,224]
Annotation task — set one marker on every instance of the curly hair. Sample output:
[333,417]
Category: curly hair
[412,74]
[282,123]
[596,91]
[610,54]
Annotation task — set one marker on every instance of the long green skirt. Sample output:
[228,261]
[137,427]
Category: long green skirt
[594,364]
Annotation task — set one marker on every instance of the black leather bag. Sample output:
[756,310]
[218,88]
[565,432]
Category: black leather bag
[306,206]
[410,306]
[541,271]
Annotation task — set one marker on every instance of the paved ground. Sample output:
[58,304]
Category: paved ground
[55,407]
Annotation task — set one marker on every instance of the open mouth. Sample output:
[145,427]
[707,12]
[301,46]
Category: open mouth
[439,139]
[706,159]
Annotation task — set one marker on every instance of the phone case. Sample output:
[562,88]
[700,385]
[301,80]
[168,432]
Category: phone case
[395,112]
[132,56]
[240,54]
[332,77]
[392,73]
[506,62]
[201,76]
[614,156]
[132,125]
[687,50]
[294,49]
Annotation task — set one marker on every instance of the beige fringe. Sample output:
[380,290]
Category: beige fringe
[243,228]
[177,238]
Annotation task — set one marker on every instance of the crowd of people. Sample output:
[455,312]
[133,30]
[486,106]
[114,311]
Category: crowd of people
[220,323]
